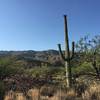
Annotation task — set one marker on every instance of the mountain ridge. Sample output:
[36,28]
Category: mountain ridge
[35,57]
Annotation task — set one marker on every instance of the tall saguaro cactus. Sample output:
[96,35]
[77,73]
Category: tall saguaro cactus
[68,56]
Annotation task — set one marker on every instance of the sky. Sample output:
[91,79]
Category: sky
[39,24]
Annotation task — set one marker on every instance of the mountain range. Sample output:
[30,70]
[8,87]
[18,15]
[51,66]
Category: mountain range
[50,57]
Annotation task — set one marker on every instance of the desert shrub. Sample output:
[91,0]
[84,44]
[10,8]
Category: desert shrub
[71,95]
[2,90]
[80,88]
[92,92]
[33,94]
[45,71]
[5,61]
[6,71]
[84,68]
[37,71]
[48,91]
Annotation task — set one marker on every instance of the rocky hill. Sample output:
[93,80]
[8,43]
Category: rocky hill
[33,58]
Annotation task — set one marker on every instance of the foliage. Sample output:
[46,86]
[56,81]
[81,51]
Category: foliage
[2,90]
[82,64]
[88,52]
[84,68]
[45,71]
[6,71]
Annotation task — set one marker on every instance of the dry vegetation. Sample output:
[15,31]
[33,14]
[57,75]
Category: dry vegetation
[50,93]
[48,82]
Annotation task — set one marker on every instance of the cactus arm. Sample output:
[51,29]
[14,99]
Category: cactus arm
[73,47]
[60,51]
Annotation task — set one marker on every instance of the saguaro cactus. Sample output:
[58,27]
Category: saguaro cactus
[68,56]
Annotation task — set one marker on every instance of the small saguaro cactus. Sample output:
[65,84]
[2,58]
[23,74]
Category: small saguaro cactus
[68,56]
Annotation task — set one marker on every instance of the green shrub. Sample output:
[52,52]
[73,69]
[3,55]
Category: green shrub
[84,68]
[2,90]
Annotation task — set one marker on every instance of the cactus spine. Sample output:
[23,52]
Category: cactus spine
[68,56]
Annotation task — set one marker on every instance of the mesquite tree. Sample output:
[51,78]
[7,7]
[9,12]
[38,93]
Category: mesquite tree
[89,51]
[68,56]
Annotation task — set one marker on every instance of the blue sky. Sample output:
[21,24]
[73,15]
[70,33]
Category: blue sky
[39,25]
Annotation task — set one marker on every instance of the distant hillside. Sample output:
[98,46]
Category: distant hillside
[34,58]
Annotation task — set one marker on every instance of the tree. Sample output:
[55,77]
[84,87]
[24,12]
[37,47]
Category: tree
[89,51]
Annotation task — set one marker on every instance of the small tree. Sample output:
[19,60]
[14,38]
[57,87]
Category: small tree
[89,49]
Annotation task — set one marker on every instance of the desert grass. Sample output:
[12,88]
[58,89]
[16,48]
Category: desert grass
[33,94]
[9,96]
[92,92]
[14,96]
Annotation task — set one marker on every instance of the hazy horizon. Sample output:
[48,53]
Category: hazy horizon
[38,24]
[29,50]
